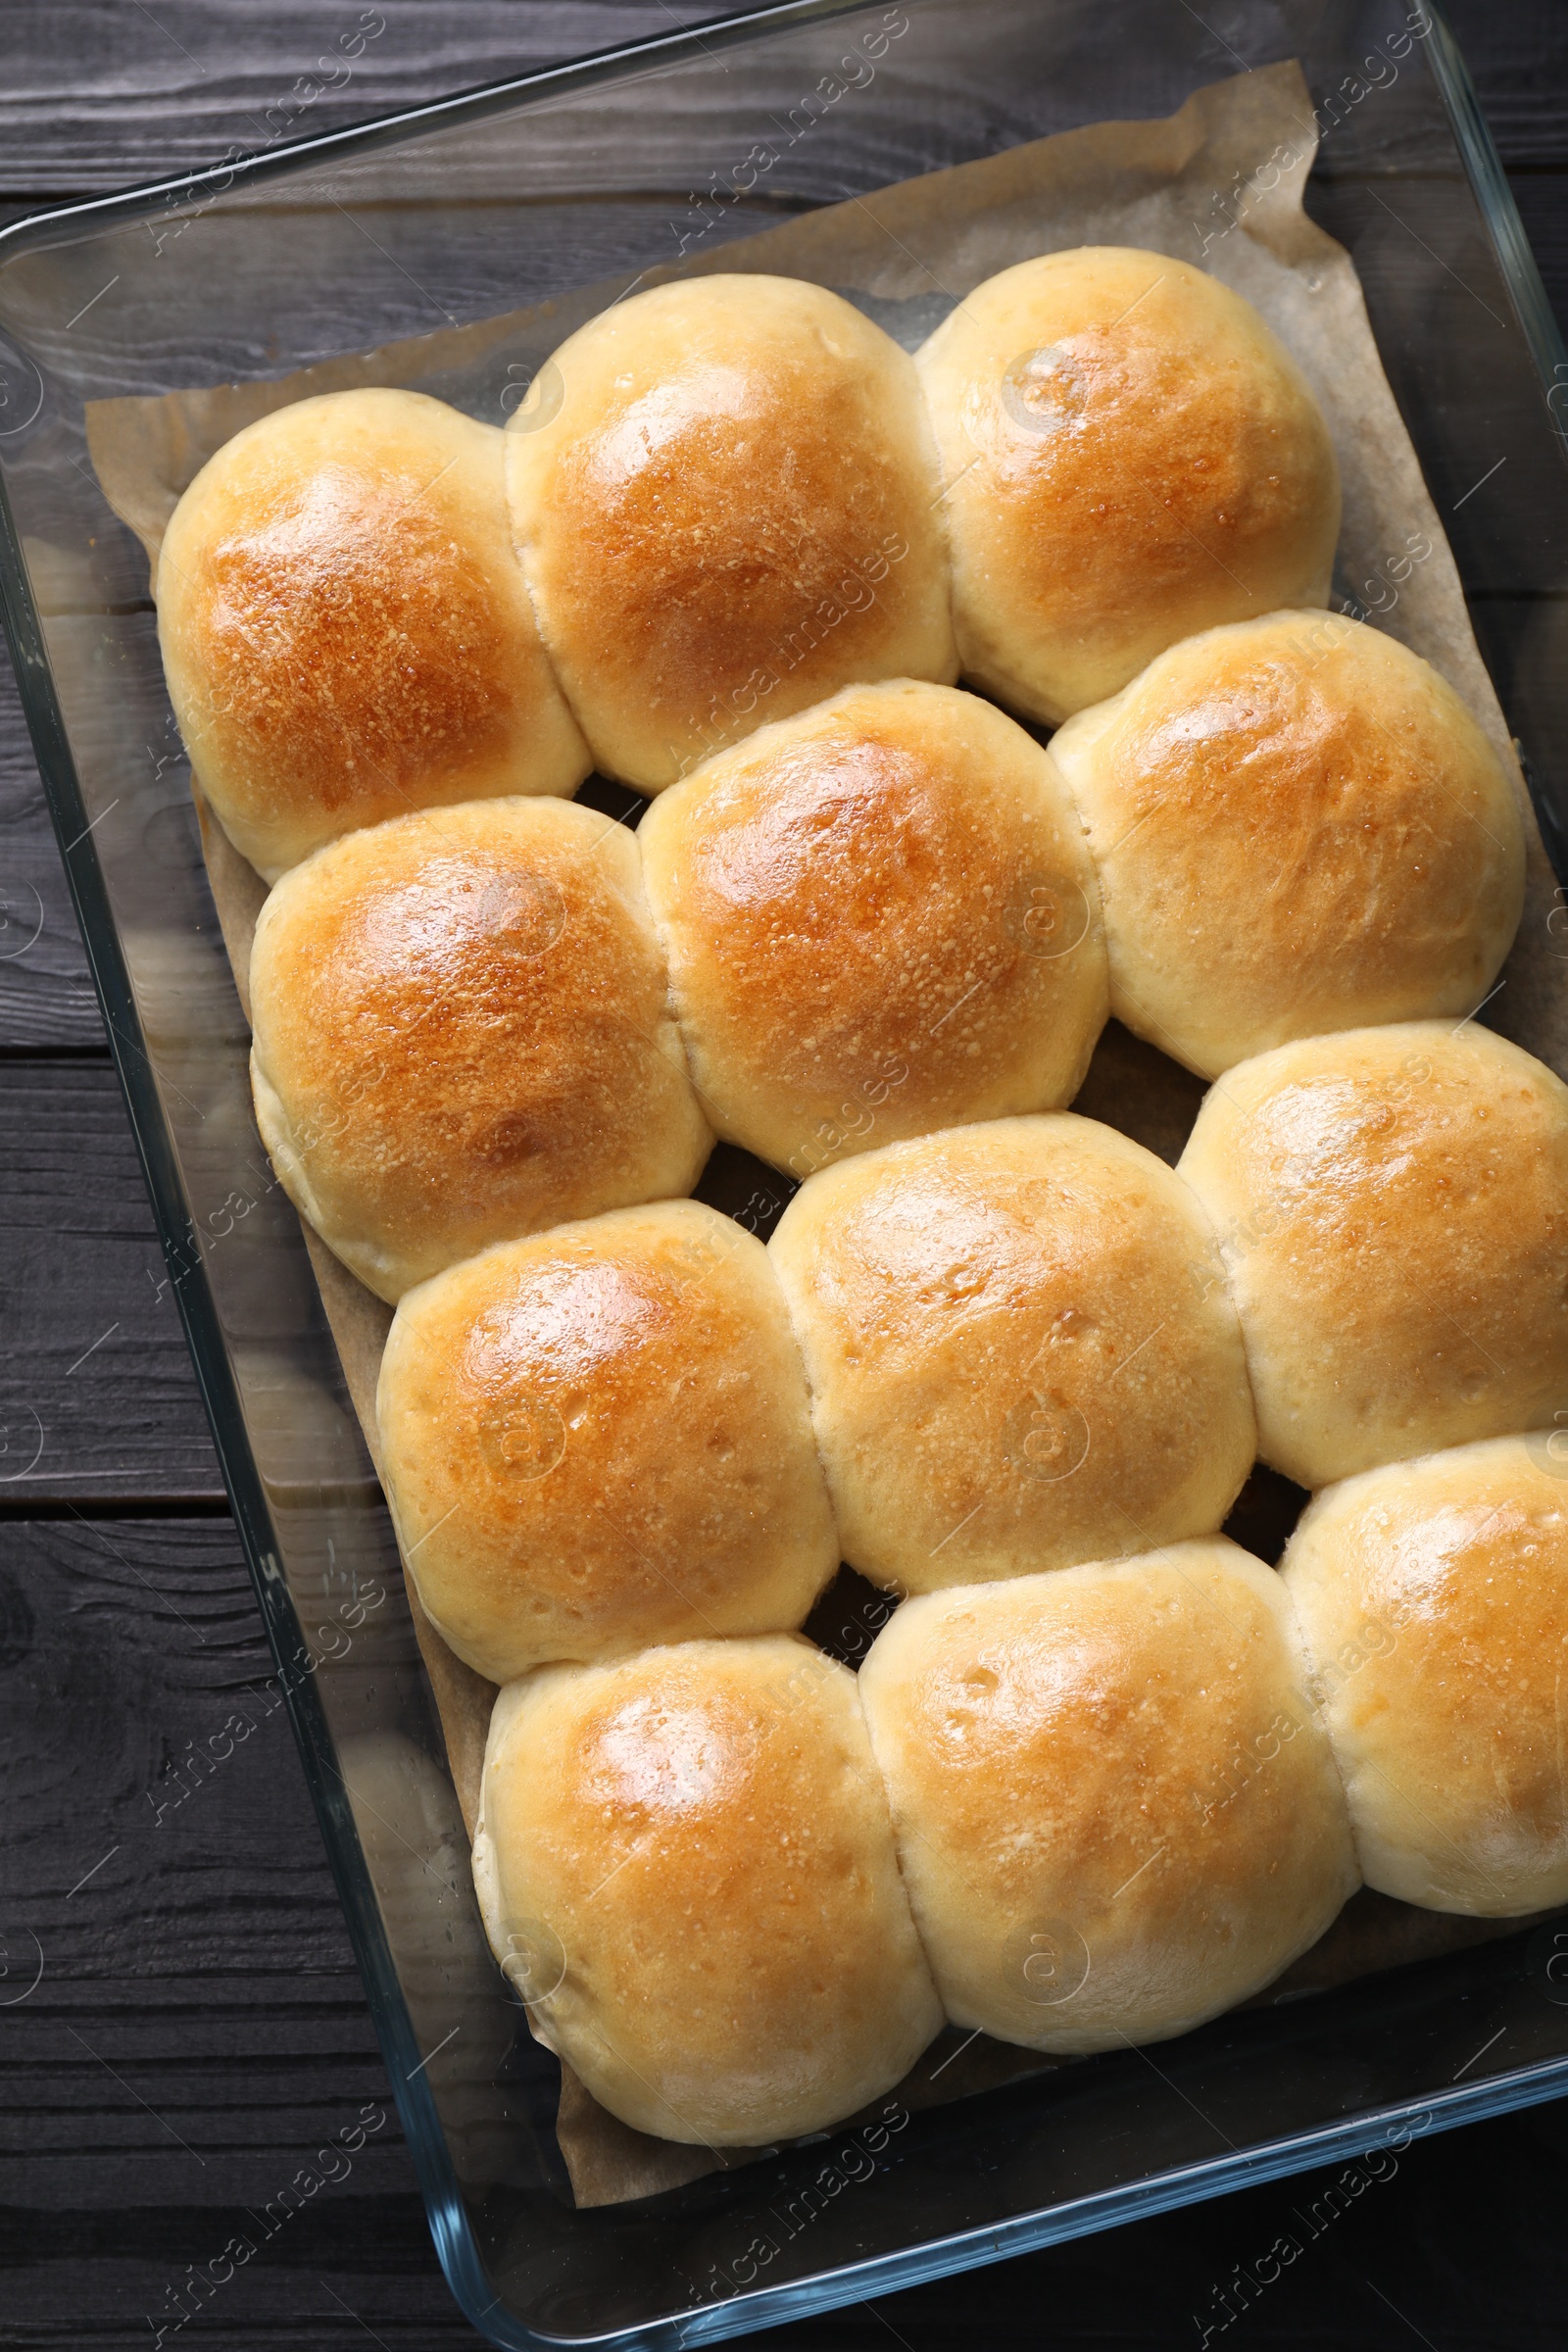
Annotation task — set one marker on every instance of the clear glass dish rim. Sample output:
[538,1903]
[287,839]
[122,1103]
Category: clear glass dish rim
[456,2248]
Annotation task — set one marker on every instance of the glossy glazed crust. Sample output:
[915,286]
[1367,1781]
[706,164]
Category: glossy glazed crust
[1432,1595]
[726,509]
[1393,1208]
[698,1842]
[345,630]
[460,1035]
[1130,457]
[1020,1348]
[600,1439]
[1299,827]
[1116,1810]
[881,918]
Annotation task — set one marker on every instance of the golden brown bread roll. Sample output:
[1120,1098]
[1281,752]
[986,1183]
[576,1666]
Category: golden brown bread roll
[345,630]
[1393,1208]
[880,918]
[726,510]
[1298,827]
[1116,1811]
[1129,456]
[684,1863]
[1020,1348]
[600,1439]
[1432,1595]
[460,1035]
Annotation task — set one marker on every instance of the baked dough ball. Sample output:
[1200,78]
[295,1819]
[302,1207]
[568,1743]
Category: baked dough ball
[1392,1210]
[460,1035]
[1130,457]
[1020,1348]
[1298,826]
[880,918]
[600,1439]
[725,500]
[685,1864]
[345,630]
[1433,1596]
[1116,1811]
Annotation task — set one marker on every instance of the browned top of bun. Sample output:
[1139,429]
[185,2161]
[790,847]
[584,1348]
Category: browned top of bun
[600,1438]
[1434,1594]
[1393,1206]
[881,918]
[729,516]
[1299,827]
[460,1020]
[1132,456]
[345,626]
[1021,1351]
[699,1836]
[1122,1759]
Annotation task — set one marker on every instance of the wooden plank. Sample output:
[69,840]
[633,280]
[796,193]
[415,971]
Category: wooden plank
[197,2029]
[132,1878]
[1518,59]
[46,999]
[354,2268]
[97,96]
[97,1397]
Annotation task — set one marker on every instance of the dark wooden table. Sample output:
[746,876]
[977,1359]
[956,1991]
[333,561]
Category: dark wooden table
[181,2025]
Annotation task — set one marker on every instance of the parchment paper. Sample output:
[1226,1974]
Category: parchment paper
[906,256]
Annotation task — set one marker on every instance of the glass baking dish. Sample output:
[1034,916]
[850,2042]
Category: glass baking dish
[461,212]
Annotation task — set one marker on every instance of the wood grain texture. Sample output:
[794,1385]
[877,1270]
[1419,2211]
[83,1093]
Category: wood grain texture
[46,997]
[98,95]
[1518,58]
[97,1397]
[182,2022]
